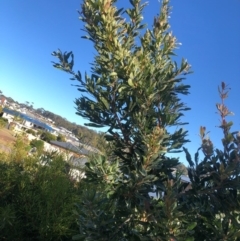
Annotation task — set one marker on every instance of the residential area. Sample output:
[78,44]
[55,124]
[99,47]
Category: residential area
[123,130]
[22,121]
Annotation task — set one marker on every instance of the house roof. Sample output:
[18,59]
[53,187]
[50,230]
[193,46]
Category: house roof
[185,178]
[70,147]
[78,162]
[28,118]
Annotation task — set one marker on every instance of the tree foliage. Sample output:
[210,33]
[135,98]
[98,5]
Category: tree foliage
[38,144]
[20,149]
[61,138]
[31,131]
[134,91]
[3,122]
[37,199]
[216,181]
[47,136]
[181,168]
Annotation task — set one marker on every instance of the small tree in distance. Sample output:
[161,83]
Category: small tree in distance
[61,138]
[134,91]
[47,136]
[38,144]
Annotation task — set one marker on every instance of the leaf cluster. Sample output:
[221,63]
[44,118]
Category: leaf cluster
[215,183]
[36,200]
[134,92]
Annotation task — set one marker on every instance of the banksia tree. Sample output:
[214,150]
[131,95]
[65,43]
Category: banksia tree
[134,93]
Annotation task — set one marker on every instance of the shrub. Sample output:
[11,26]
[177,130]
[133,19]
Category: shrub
[30,131]
[1,111]
[46,136]
[61,138]
[216,182]
[20,149]
[37,201]
[39,132]
[3,122]
[38,144]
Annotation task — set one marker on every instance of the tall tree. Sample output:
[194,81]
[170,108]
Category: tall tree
[134,91]
[31,106]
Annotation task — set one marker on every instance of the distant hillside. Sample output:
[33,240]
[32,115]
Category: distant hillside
[86,135]
[83,133]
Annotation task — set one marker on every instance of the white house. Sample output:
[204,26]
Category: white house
[8,116]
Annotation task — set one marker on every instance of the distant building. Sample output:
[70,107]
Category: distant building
[28,122]
[76,150]
[55,131]
[76,156]
[49,120]
[64,131]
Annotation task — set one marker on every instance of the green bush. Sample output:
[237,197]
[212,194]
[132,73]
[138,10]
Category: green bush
[39,144]
[37,200]
[61,138]
[1,111]
[46,136]
[3,122]
[20,149]
[30,131]
[39,132]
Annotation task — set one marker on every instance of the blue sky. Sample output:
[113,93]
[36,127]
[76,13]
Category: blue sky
[209,31]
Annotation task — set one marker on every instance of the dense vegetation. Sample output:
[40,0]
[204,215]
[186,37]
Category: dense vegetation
[47,136]
[135,91]
[131,192]
[37,198]
[38,144]
[3,122]
[86,135]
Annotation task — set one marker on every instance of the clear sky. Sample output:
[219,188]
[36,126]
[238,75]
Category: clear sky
[209,31]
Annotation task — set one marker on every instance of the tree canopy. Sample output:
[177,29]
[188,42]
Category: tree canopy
[135,92]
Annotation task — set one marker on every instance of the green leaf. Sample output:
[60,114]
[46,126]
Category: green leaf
[190,239]
[191,226]
[77,237]
[130,82]
[105,102]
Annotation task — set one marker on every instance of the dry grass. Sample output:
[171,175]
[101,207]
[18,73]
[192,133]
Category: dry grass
[6,139]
